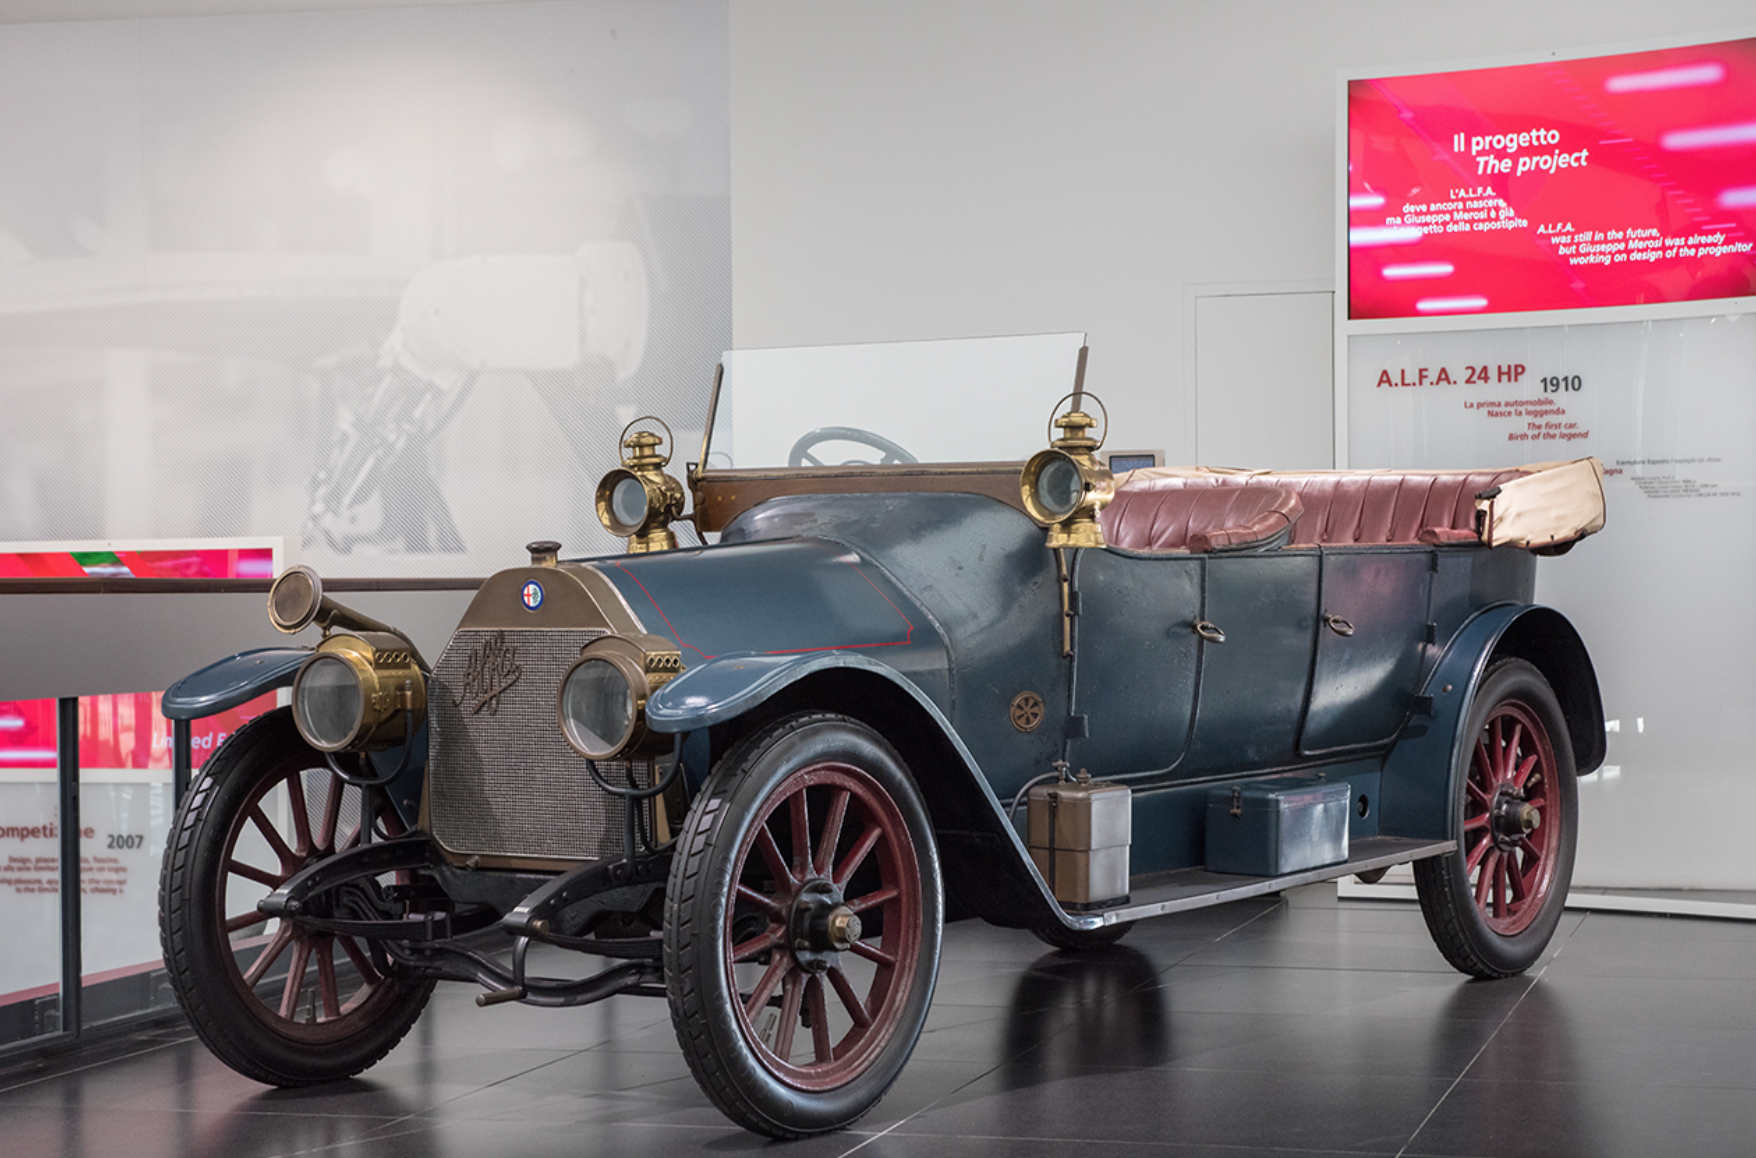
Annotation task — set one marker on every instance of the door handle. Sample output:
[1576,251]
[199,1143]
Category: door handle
[1337,624]
[1209,632]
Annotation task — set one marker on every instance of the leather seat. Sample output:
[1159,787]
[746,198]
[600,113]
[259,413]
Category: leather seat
[1390,508]
[1234,512]
[1154,517]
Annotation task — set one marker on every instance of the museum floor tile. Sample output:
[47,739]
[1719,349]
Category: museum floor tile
[1295,1026]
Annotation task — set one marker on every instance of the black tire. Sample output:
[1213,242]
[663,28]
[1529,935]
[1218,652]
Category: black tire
[1082,940]
[1492,906]
[720,921]
[291,1030]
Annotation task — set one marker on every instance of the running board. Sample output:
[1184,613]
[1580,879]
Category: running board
[1195,888]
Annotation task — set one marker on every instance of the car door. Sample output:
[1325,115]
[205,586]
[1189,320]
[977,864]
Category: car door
[1252,687]
[1372,646]
[1137,658]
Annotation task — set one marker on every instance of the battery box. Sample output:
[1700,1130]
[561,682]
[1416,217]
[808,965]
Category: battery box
[1078,835]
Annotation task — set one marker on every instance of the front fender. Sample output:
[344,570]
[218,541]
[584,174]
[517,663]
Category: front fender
[232,681]
[1417,791]
[730,685]
[984,858]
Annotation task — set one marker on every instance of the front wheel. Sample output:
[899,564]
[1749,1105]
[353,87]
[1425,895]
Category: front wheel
[1492,905]
[802,926]
[276,1002]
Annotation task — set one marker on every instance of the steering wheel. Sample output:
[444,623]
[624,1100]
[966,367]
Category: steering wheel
[801,454]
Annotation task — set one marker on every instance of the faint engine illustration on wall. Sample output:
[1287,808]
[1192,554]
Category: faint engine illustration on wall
[575,326]
[384,283]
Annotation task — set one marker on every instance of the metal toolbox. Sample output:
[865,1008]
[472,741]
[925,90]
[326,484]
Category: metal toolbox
[1078,834]
[1268,828]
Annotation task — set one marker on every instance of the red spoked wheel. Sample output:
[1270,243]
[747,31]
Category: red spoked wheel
[1509,852]
[803,926]
[1493,905]
[277,1002]
[814,937]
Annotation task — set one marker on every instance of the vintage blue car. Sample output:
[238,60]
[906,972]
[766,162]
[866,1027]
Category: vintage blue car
[760,775]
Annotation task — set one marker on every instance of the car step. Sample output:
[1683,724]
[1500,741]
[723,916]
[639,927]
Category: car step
[1156,894]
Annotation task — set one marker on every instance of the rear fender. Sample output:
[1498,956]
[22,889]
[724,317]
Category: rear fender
[1416,792]
[988,872]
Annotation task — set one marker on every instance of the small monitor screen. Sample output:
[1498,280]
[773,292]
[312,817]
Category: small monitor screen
[1604,181]
[1122,460]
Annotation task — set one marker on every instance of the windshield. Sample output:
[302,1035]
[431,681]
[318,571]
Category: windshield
[961,400]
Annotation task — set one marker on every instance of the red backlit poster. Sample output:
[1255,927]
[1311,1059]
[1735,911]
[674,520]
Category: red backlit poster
[1606,181]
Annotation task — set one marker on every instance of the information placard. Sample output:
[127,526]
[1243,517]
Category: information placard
[1661,596]
[1667,405]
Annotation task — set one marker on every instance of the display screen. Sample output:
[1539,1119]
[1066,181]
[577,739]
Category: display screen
[180,563]
[1605,181]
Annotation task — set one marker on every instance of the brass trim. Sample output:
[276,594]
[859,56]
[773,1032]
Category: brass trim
[1064,578]
[722,495]
[574,595]
[1027,711]
[325,612]
[700,465]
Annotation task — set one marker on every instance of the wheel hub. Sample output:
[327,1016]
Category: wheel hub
[820,927]
[1513,818]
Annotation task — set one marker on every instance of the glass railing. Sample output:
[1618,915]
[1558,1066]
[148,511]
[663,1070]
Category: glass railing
[90,776]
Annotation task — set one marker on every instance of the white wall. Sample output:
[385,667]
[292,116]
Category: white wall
[949,168]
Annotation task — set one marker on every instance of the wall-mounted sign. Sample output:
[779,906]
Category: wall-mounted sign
[1604,181]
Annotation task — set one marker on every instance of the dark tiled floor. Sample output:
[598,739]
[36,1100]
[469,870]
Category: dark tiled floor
[1294,1027]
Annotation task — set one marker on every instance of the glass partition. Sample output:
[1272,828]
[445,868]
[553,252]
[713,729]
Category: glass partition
[126,806]
[126,809]
[960,400]
[30,867]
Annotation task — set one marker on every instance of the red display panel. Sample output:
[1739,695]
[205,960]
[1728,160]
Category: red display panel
[122,731]
[1607,181]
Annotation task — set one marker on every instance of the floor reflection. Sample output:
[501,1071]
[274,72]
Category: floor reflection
[1521,1094]
[280,1122]
[1095,1008]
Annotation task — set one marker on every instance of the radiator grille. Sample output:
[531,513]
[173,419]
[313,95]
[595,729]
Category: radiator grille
[500,779]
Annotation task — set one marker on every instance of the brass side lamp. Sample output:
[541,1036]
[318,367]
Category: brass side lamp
[364,688]
[1065,486]
[638,500]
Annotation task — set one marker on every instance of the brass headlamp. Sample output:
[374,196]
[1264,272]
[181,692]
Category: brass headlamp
[1065,487]
[364,688]
[638,500]
[359,693]
[602,704]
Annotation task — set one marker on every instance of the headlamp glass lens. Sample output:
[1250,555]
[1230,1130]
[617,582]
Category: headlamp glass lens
[1059,487]
[628,502]
[597,708]
[328,704]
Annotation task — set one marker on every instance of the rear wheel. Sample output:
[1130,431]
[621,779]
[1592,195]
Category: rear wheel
[802,926]
[1493,905]
[276,1002]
